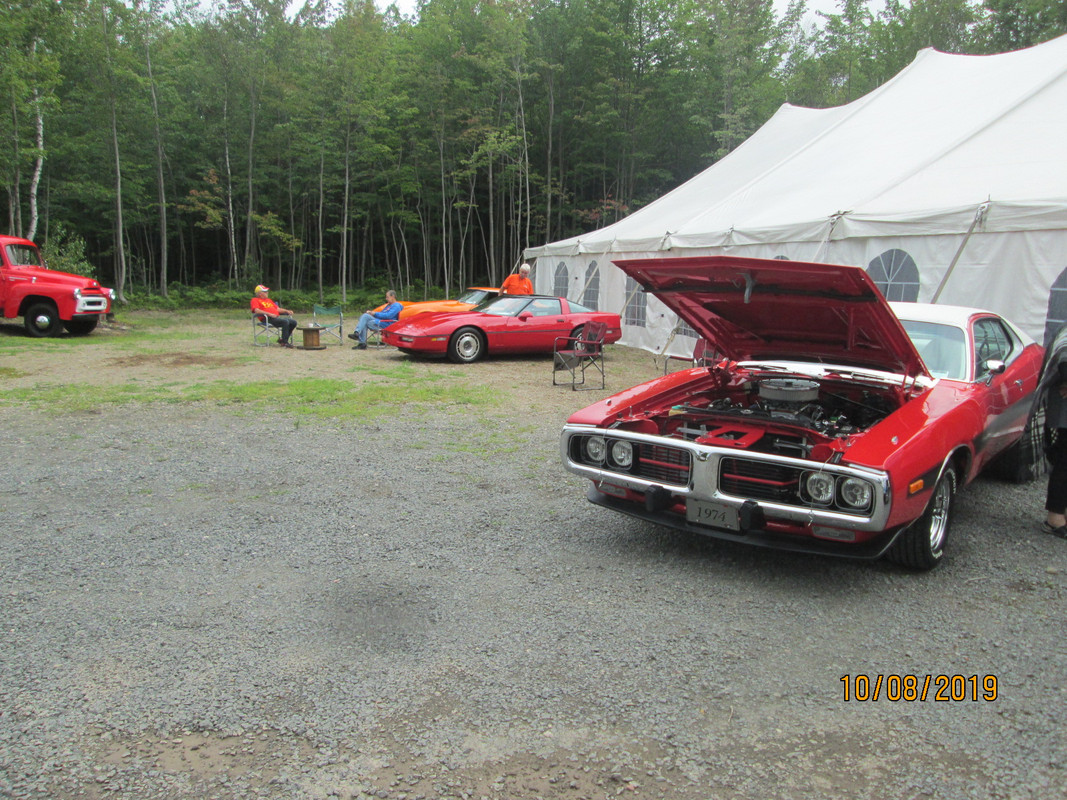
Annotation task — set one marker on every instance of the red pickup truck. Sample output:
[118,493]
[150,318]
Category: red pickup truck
[48,301]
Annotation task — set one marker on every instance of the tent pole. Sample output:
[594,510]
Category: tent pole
[979,215]
[829,232]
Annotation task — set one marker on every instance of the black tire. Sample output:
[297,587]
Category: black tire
[922,545]
[1025,460]
[578,346]
[81,327]
[42,319]
[466,345]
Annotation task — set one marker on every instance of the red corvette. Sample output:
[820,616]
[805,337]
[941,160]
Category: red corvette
[511,324]
[826,421]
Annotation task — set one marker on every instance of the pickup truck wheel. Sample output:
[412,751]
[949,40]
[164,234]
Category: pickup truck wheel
[466,346]
[81,327]
[42,319]
[922,545]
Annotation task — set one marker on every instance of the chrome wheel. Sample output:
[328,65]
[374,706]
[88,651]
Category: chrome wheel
[466,346]
[940,506]
[922,544]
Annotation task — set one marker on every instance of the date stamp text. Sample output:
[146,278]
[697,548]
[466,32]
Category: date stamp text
[919,688]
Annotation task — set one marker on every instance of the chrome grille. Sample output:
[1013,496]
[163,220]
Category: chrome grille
[759,480]
[663,464]
[652,462]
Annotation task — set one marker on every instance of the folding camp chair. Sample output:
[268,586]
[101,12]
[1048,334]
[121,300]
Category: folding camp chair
[330,321]
[703,354]
[263,333]
[577,354]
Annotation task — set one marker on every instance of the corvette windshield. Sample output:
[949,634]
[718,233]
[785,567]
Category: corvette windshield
[943,348]
[506,306]
[473,296]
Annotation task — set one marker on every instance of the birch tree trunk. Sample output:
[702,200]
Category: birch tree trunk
[161,186]
[231,233]
[120,241]
[38,166]
[322,203]
[343,267]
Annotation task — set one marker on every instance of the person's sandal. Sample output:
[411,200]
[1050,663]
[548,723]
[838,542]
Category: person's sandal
[1060,532]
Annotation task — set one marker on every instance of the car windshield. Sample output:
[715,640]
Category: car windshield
[473,296]
[505,306]
[21,255]
[943,348]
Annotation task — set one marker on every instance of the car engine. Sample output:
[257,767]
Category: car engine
[787,415]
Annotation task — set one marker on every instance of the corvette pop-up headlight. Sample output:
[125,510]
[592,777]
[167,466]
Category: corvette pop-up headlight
[856,492]
[820,487]
[596,448]
[622,454]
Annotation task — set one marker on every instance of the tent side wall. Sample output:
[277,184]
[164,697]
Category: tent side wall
[1019,274]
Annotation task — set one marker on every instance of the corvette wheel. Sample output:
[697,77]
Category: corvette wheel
[579,347]
[922,545]
[466,346]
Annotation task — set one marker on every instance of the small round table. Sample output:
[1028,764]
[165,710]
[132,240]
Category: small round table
[311,337]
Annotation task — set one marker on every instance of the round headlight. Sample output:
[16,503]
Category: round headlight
[820,487]
[622,453]
[857,493]
[596,448]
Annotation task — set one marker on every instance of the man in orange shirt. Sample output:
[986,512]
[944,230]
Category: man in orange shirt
[518,282]
[280,318]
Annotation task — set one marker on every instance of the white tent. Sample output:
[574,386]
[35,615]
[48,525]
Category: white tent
[948,184]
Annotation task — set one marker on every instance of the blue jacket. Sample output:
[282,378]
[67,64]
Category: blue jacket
[388,315]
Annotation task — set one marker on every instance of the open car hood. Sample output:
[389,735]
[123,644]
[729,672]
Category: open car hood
[759,309]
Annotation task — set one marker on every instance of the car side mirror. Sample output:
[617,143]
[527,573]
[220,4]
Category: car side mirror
[993,366]
[525,315]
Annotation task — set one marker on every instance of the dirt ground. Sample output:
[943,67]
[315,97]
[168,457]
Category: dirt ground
[162,349]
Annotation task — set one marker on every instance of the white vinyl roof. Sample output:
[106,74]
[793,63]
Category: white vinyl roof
[921,155]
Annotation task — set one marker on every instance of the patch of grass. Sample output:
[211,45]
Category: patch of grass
[320,398]
[65,399]
[11,372]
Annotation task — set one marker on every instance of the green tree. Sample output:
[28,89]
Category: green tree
[1014,24]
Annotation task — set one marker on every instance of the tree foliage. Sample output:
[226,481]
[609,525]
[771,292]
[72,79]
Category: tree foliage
[332,146]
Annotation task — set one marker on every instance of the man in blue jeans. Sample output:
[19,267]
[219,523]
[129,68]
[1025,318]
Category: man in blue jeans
[376,320]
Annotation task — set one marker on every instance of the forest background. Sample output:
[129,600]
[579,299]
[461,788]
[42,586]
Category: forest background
[327,147]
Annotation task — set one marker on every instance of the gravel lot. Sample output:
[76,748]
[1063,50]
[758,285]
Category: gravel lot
[421,604]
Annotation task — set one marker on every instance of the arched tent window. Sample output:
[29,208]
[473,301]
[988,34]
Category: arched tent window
[685,330]
[634,313]
[591,292]
[896,274]
[1056,315]
[561,279]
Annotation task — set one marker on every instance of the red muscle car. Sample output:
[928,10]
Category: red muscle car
[823,420]
[510,324]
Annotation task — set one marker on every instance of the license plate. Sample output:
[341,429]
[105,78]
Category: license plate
[717,515]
